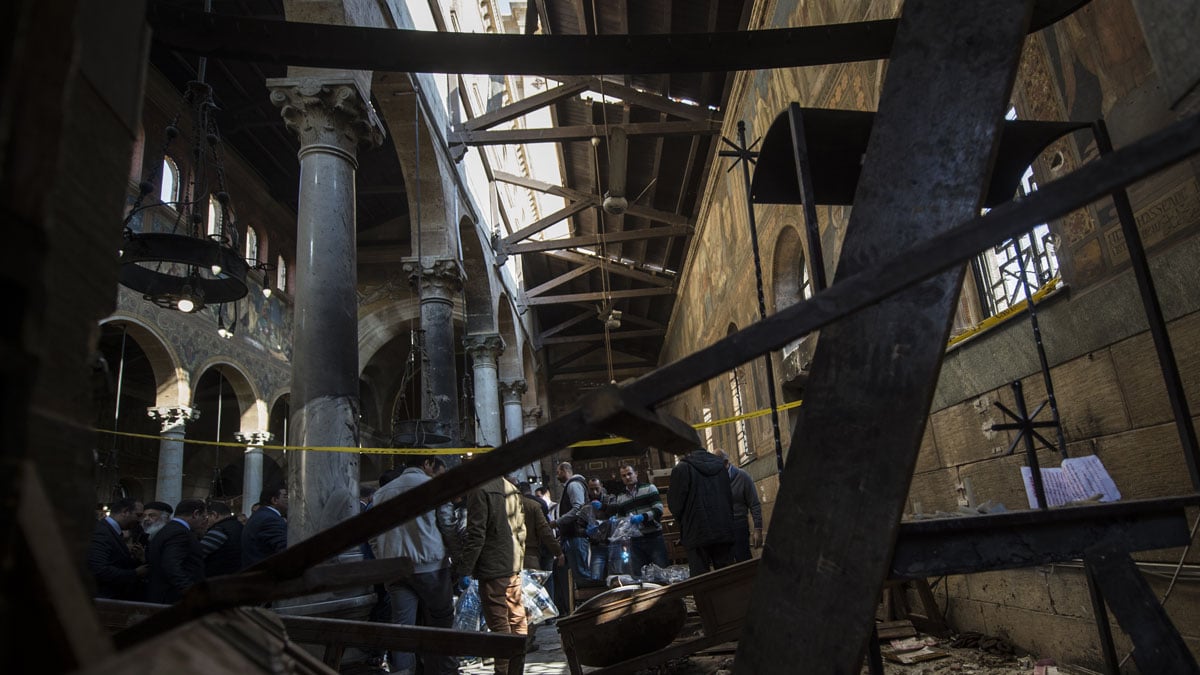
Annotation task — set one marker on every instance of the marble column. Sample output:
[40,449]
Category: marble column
[438,283]
[510,399]
[252,471]
[173,419]
[484,350]
[333,117]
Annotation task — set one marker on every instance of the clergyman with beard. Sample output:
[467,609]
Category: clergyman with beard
[154,516]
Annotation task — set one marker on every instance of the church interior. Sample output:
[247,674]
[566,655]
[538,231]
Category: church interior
[923,270]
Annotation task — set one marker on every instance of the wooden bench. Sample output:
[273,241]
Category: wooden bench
[721,598]
[338,634]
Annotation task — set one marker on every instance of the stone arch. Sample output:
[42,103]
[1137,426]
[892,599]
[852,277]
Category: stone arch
[429,186]
[477,287]
[790,278]
[386,323]
[171,380]
[252,409]
[509,361]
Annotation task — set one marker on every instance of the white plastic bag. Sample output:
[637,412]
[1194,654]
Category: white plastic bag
[538,605]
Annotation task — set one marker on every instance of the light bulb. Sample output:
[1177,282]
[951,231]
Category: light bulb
[266,291]
[185,305]
[216,269]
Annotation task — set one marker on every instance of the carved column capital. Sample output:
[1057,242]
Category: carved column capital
[173,418]
[435,279]
[533,416]
[254,439]
[484,349]
[511,392]
[333,115]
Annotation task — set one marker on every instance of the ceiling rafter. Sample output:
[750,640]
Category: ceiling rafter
[560,280]
[582,132]
[613,267]
[599,337]
[558,216]
[657,215]
[599,295]
[595,239]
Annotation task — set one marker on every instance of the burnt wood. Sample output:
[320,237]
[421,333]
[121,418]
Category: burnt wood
[930,548]
[1158,647]
[856,442]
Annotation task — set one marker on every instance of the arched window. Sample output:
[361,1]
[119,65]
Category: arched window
[737,391]
[168,189]
[281,274]
[251,243]
[997,271]
[216,217]
[790,278]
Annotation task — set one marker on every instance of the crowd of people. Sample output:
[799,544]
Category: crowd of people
[155,552]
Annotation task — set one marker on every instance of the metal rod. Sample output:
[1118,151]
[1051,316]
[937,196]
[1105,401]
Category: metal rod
[1041,350]
[812,227]
[120,383]
[745,156]
[1026,432]
[1154,316]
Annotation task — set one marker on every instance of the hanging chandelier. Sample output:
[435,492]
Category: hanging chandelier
[197,262]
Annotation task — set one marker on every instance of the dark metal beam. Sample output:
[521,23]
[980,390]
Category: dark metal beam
[599,295]
[582,132]
[413,51]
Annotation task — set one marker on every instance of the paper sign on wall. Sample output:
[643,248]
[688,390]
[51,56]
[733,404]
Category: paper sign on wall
[1079,479]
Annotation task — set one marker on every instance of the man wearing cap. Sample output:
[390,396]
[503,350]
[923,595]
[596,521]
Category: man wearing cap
[702,500]
[154,516]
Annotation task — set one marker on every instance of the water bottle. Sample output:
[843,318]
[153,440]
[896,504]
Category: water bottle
[469,610]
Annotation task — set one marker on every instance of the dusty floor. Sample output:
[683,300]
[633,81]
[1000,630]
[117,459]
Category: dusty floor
[549,659]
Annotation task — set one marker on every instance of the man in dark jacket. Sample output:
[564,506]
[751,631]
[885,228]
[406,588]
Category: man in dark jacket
[745,502]
[222,543]
[702,501]
[118,574]
[493,552]
[266,531]
[175,557]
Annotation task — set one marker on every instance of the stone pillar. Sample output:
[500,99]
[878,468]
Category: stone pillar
[173,419]
[252,471]
[532,419]
[484,349]
[438,282]
[332,118]
[510,398]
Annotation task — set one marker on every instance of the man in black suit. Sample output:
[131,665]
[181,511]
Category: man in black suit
[175,556]
[118,574]
[266,531]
